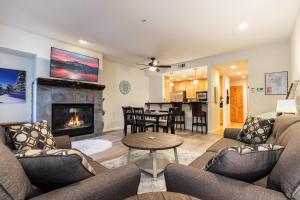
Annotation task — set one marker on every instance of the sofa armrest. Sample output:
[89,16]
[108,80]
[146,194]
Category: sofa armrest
[209,186]
[63,142]
[116,184]
[231,133]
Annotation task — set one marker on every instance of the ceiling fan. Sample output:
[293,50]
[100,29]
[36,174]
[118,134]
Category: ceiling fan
[153,65]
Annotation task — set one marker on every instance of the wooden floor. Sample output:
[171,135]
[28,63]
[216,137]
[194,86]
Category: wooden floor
[192,141]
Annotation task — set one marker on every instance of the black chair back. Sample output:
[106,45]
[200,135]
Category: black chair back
[172,116]
[196,108]
[128,114]
[139,114]
[177,105]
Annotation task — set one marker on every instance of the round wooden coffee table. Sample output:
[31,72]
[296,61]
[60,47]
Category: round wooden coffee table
[152,163]
[162,196]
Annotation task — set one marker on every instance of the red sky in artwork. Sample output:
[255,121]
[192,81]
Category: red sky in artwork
[58,54]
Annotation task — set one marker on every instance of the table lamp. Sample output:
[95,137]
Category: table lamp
[287,106]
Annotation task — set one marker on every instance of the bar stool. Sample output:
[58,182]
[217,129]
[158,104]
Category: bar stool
[199,117]
[179,115]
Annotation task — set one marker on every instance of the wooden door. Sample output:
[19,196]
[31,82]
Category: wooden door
[236,104]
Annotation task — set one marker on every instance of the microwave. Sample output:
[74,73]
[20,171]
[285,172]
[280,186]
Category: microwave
[201,96]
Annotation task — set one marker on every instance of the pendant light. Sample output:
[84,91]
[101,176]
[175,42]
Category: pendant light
[171,78]
[195,81]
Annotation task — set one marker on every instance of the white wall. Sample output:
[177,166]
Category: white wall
[155,87]
[18,112]
[268,58]
[226,107]
[112,74]
[213,107]
[244,83]
[20,41]
[295,51]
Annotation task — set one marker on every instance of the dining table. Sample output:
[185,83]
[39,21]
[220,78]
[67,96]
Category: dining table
[156,116]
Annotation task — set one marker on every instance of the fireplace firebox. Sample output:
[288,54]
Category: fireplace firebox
[72,119]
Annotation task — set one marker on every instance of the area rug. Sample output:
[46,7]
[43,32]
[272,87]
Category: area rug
[92,146]
[147,183]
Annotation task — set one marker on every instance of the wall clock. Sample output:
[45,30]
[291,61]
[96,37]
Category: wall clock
[124,87]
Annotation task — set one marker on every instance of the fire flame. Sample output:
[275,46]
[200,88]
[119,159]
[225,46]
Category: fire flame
[74,121]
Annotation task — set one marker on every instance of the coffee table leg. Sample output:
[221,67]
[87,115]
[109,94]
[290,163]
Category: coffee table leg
[154,165]
[129,155]
[176,155]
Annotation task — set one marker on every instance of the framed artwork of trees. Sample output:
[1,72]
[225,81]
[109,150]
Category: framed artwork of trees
[12,86]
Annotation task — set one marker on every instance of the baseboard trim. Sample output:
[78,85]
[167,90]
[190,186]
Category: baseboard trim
[112,129]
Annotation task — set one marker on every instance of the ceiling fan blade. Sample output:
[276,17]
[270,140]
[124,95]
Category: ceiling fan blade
[164,66]
[144,68]
[157,70]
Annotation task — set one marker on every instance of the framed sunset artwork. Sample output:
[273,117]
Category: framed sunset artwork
[69,65]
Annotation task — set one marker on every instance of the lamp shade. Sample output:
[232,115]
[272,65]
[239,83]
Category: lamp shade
[286,106]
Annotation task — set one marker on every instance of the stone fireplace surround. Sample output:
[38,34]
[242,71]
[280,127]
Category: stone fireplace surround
[55,91]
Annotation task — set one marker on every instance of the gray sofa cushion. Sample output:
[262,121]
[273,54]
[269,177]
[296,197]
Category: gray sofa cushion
[281,124]
[222,143]
[248,163]
[285,176]
[14,184]
[96,166]
[202,160]
[50,169]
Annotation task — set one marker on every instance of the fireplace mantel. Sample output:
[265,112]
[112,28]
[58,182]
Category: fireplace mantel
[54,91]
[69,84]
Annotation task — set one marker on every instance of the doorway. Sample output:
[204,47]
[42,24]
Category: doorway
[237,104]
[233,109]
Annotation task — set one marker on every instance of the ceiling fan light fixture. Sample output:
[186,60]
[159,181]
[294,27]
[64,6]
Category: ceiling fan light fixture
[195,82]
[155,62]
[152,68]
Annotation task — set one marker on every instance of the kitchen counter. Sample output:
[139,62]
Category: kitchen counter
[160,104]
[186,107]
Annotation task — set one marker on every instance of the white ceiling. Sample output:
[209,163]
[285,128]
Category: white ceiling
[239,72]
[175,30]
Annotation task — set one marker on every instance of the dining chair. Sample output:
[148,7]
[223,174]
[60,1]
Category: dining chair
[128,119]
[141,124]
[170,122]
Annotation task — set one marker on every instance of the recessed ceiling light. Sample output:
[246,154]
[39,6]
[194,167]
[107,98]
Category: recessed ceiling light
[243,26]
[83,41]
[178,79]
[191,78]
[239,73]
[183,76]
[243,77]
[205,76]
[232,67]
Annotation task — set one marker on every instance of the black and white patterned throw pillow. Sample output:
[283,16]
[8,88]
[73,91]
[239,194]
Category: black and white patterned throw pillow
[256,130]
[32,136]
